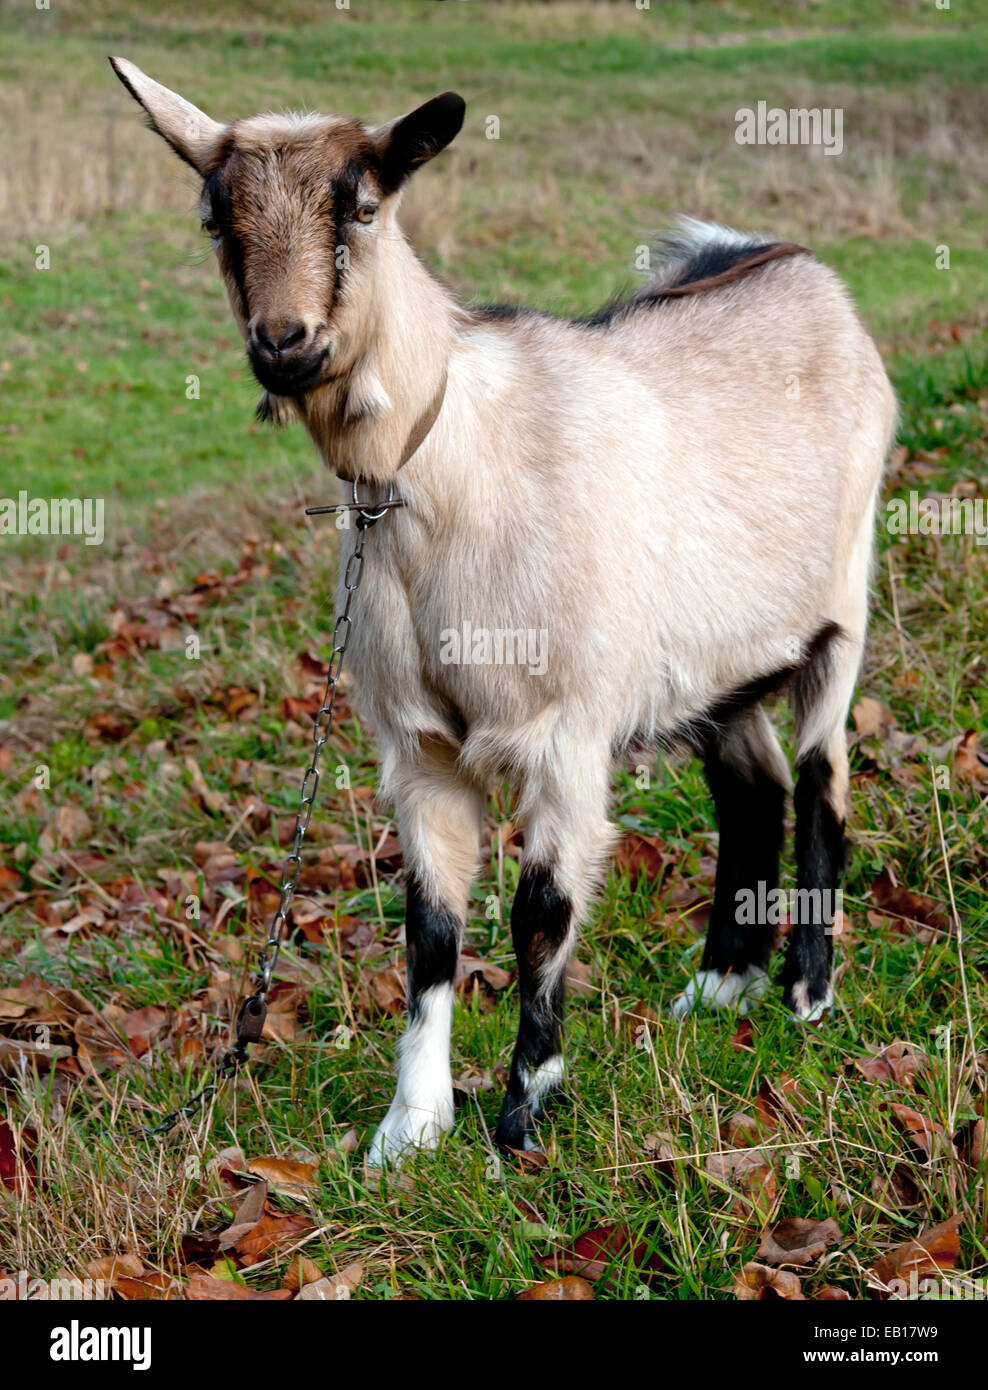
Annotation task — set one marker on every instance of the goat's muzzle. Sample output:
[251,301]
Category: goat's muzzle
[288,358]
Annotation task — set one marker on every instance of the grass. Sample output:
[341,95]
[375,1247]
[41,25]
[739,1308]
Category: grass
[173,779]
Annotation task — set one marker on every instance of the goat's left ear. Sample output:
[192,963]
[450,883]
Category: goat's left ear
[412,140]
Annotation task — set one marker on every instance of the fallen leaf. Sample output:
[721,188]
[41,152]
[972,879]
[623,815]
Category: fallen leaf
[202,1288]
[286,1175]
[926,1136]
[872,718]
[72,825]
[301,1271]
[144,1026]
[797,1241]
[969,761]
[898,1190]
[595,1252]
[832,1293]
[899,1061]
[151,1285]
[781,1100]
[933,1250]
[274,1230]
[640,856]
[971,1143]
[110,1268]
[899,902]
[764,1283]
[247,1217]
[560,1290]
[335,1288]
[17,1172]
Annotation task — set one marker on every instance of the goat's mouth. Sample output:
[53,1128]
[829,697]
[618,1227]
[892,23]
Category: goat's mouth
[292,376]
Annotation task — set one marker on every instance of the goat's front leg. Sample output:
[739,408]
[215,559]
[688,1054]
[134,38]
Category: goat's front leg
[566,837]
[439,823]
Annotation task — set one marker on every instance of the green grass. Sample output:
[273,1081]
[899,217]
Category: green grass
[205,536]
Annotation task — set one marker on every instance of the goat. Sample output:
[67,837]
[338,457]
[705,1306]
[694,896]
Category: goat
[679,492]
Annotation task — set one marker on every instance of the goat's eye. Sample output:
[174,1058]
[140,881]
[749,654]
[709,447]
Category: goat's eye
[212,229]
[366,212]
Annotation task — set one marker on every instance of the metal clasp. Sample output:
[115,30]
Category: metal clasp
[366,516]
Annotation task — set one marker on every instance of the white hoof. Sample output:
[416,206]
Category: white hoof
[709,988]
[408,1127]
[804,1010]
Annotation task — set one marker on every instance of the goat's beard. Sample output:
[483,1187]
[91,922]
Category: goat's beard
[276,410]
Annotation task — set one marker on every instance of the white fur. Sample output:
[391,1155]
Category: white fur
[736,990]
[422,1110]
[810,1013]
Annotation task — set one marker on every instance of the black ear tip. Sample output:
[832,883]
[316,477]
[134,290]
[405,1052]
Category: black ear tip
[453,107]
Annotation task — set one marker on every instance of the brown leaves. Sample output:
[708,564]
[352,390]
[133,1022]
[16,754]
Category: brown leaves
[480,981]
[797,1241]
[762,1283]
[17,1172]
[596,1251]
[202,1287]
[899,1062]
[258,1229]
[72,825]
[970,761]
[924,1136]
[335,1287]
[930,1252]
[872,719]
[780,1101]
[908,908]
[143,1027]
[289,1176]
[749,1173]
[569,1289]
[127,1276]
[898,1190]
[641,856]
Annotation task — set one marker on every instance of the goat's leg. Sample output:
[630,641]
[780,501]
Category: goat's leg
[822,698]
[749,778]
[566,835]
[439,823]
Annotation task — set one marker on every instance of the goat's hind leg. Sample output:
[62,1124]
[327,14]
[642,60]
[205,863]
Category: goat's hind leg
[749,778]
[439,823]
[822,696]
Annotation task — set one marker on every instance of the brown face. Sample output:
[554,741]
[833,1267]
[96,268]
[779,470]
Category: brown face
[294,206]
[289,211]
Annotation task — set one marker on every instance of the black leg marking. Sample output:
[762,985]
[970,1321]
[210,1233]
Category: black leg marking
[540,920]
[819,866]
[433,943]
[750,814]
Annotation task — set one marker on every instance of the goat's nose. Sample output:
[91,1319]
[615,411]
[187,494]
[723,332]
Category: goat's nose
[280,339]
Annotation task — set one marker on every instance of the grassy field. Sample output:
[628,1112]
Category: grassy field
[137,871]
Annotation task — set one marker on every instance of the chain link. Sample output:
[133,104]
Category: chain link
[253,1011]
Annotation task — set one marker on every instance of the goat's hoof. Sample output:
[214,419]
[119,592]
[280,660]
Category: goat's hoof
[809,1002]
[406,1128]
[737,989]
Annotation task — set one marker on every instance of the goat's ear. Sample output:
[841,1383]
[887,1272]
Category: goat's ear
[411,140]
[189,131]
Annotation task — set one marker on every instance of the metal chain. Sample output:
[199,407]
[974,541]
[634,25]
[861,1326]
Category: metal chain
[254,1010]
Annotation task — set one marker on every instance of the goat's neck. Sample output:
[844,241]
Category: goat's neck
[394,351]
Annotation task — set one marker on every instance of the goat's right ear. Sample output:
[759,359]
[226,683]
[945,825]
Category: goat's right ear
[189,131]
[410,141]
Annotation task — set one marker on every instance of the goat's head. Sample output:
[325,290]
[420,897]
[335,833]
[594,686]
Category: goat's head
[297,209]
